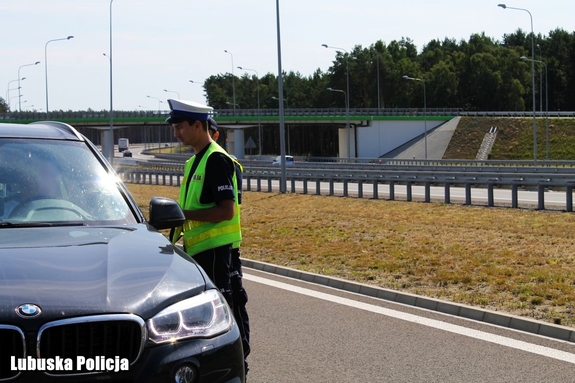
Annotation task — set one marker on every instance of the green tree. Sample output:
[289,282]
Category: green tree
[559,54]
[442,88]
[3,106]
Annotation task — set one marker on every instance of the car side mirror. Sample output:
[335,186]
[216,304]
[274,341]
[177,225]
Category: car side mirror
[165,213]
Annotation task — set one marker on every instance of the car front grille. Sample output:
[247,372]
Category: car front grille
[101,336]
[12,343]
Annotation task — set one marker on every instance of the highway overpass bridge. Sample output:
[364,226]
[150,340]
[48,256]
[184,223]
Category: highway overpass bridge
[401,132]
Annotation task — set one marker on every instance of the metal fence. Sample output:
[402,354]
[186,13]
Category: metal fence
[468,187]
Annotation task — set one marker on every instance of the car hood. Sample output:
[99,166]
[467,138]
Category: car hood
[73,271]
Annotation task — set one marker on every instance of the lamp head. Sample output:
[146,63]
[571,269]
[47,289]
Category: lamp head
[523,58]
[37,62]
[324,45]
[69,37]
[330,89]
[240,68]
[502,6]
[406,77]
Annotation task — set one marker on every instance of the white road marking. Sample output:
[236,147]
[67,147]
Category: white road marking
[496,339]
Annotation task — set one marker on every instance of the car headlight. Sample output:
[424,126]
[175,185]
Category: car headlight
[203,316]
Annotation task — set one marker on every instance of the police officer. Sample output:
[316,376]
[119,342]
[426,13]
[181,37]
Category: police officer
[208,195]
[209,199]
[240,296]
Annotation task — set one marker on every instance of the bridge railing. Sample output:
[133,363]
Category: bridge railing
[293,112]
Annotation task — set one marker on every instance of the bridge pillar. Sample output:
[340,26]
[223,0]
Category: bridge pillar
[343,139]
[107,140]
[235,143]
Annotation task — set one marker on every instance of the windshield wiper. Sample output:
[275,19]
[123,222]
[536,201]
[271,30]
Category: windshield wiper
[9,224]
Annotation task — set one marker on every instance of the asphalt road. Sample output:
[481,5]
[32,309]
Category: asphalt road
[303,332]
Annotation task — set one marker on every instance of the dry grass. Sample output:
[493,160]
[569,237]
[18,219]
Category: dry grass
[516,261]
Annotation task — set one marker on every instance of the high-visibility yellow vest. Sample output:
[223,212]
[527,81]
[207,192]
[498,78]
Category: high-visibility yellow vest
[200,235]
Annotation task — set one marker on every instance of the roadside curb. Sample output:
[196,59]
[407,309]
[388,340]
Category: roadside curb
[492,317]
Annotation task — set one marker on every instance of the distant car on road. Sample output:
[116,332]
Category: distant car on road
[127,153]
[123,144]
[289,161]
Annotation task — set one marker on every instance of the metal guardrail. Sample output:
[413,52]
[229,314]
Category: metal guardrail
[262,178]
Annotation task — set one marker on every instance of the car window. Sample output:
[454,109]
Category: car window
[57,180]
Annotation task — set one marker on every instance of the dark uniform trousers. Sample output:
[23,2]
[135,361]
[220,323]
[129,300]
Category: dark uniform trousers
[240,298]
[223,266]
[217,263]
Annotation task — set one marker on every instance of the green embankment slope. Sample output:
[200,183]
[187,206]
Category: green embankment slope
[514,138]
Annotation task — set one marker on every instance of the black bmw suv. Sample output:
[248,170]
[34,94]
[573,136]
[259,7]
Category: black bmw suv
[89,290]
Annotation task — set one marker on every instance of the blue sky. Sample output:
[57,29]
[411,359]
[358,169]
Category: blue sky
[161,45]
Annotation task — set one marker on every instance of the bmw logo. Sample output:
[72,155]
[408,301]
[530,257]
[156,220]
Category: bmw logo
[28,310]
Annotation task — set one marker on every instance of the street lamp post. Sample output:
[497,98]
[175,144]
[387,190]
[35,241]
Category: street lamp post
[111,117]
[540,82]
[159,102]
[159,131]
[378,57]
[232,104]
[378,87]
[424,110]
[288,135]
[233,79]
[346,118]
[173,91]
[195,82]
[532,79]
[546,105]
[347,95]
[7,98]
[110,151]
[22,66]
[10,101]
[283,178]
[259,118]
[46,69]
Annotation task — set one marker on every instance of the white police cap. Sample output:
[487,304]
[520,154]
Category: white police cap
[182,110]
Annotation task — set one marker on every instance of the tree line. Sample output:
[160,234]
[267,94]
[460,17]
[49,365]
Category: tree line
[480,74]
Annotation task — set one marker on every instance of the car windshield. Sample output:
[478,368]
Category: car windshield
[57,181]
